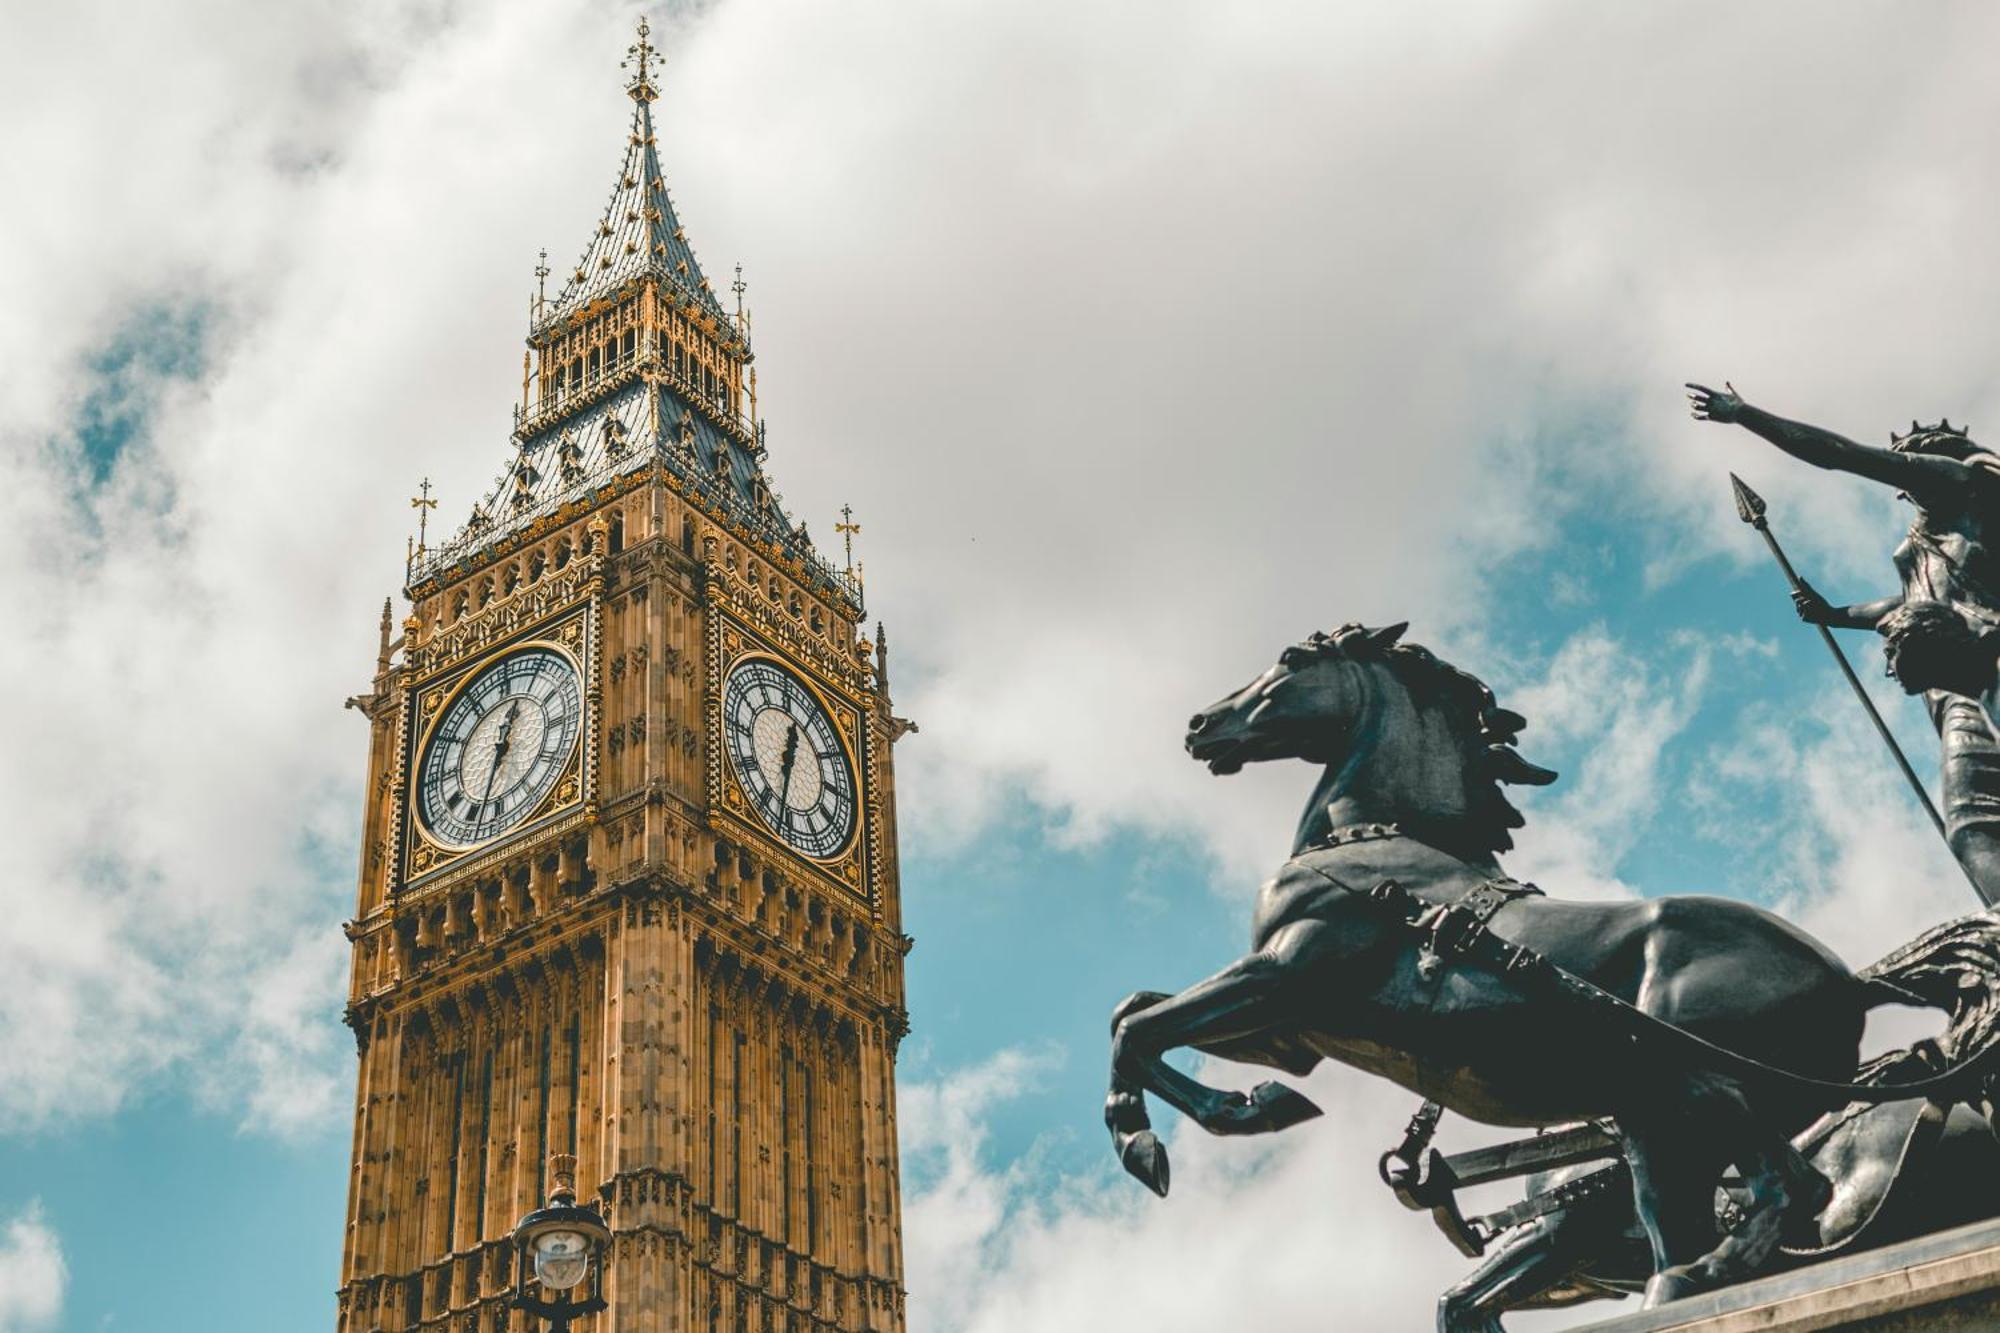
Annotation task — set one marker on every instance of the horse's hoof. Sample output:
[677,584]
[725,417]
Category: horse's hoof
[1279,1107]
[1671,1284]
[1146,1158]
[1265,1109]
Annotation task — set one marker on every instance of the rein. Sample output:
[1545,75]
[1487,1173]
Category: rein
[1458,932]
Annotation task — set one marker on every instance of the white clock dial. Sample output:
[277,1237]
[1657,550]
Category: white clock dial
[502,743]
[787,757]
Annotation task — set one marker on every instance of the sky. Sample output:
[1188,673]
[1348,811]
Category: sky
[1144,338]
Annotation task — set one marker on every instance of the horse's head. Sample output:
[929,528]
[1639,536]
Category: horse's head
[1407,736]
[1302,707]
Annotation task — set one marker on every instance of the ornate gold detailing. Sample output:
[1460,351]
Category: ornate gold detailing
[848,530]
[639,58]
[506,616]
[770,608]
[427,856]
[423,504]
[730,644]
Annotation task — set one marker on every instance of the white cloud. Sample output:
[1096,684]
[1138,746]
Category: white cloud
[287,1055]
[1848,852]
[962,1202]
[1617,712]
[254,216]
[1280,325]
[33,1276]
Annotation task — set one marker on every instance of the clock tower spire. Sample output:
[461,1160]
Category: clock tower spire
[628,888]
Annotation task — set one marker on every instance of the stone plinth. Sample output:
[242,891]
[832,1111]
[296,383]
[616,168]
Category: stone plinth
[1950,1280]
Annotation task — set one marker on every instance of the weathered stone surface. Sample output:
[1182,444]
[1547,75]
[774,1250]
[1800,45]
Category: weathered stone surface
[1950,1280]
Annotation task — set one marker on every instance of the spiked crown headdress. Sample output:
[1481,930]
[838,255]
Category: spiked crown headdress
[1943,438]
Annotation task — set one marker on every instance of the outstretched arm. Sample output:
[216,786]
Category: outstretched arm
[1930,480]
[1816,610]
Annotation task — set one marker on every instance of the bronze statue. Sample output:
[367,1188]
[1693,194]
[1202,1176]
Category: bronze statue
[1899,1170]
[1943,628]
[1708,1031]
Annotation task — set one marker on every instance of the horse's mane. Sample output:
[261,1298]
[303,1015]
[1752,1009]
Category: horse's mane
[1484,728]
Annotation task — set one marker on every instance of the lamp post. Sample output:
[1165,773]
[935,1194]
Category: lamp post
[564,1244]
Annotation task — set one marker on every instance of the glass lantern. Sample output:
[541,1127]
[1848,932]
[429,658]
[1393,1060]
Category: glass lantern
[561,1245]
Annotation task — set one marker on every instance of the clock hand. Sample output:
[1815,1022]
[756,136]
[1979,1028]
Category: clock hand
[500,749]
[785,770]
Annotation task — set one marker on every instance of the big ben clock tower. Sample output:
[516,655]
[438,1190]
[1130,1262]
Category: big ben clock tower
[628,888]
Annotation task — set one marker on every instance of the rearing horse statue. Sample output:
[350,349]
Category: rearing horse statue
[1709,1030]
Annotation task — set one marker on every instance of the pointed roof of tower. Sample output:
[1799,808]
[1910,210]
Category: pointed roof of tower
[597,422]
[639,229]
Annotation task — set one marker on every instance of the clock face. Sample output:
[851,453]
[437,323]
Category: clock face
[788,758]
[503,741]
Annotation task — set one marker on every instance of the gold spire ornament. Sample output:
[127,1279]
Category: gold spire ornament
[423,504]
[639,59]
[847,528]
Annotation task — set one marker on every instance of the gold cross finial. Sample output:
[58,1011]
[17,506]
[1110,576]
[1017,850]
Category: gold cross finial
[639,59]
[423,504]
[847,527]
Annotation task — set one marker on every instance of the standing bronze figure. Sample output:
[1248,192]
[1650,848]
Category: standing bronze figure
[1943,628]
[1709,1031]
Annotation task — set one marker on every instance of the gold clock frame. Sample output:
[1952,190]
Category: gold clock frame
[427,855]
[732,644]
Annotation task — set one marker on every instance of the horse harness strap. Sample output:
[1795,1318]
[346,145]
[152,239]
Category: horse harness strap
[1463,928]
[1607,1182]
[1459,931]
[1426,1180]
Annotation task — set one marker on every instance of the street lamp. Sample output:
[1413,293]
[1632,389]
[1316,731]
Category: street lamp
[561,1242]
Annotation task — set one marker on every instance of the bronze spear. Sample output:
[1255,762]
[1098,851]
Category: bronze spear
[1750,508]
